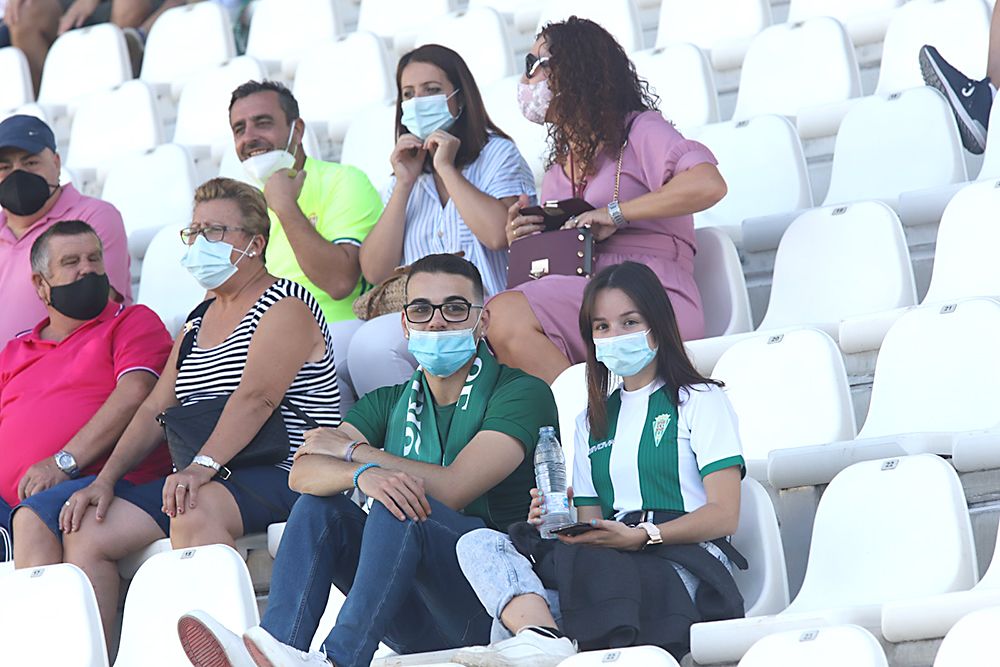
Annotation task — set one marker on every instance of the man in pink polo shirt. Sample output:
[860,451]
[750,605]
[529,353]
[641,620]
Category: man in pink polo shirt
[31,201]
[68,389]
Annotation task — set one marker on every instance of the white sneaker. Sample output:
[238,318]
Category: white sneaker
[530,647]
[267,651]
[208,643]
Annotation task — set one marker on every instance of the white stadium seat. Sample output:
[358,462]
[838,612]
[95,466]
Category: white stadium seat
[50,617]
[186,41]
[719,276]
[479,35]
[764,585]
[866,20]
[991,157]
[112,125]
[619,17]
[166,286]
[920,22]
[810,286]
[369,141]
[170,585]
[358,63]
[888,145]
[681,75]
[788,390]
[400,22]
[282,31]
[973,642]
[82,62]
[203,109]
[633,656]
[16,89]
[792,66]
[937,378]
[570,392]
[723,28]
[869,515]
[531,138]
[834,646]
[754,192]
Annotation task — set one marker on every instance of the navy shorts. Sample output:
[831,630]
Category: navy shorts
[49,503]
[261,493]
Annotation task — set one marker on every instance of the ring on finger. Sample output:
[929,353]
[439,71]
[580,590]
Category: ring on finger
[67,503]
[181,486]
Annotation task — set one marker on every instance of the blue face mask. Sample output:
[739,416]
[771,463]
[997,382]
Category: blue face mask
[441,353]
[423,115]
[210,263]
[625,355]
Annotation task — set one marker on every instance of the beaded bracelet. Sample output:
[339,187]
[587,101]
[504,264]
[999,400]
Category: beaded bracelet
[357,473]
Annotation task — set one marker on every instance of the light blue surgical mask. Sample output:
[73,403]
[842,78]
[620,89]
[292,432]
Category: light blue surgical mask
[441,353]
[625,355]
[423,115]
[210,263]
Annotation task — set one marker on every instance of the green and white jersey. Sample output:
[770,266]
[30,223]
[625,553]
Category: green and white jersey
[658,454]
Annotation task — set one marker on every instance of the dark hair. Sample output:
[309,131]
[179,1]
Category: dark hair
[473,124]
[594,87]
[642,286]
[285,98]
[450,264]
[39,256]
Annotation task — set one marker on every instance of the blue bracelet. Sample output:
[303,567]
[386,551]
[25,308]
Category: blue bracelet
[357,473]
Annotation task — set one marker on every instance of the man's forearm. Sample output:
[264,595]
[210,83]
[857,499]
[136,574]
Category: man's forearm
[332,267]
[99,435]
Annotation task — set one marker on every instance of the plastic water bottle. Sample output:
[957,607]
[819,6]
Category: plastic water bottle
[550,477]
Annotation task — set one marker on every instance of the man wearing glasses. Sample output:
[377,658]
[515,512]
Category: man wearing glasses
[444,453]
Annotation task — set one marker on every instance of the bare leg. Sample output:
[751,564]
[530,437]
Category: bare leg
[518,338]
[528,609]
[130,13]
[98,546]
[216,520]
[993,62]
[34,544]
[35,30]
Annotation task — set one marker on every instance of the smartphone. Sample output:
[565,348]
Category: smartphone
[574,529]
[556,213]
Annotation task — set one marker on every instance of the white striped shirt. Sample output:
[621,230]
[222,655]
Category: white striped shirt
[499,171]
[217,371]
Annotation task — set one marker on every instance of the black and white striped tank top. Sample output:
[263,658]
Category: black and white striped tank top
[216,371]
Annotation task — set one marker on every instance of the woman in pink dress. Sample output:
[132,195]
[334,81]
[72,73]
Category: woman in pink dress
[579,81]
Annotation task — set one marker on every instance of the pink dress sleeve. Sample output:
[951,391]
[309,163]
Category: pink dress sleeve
[662,151]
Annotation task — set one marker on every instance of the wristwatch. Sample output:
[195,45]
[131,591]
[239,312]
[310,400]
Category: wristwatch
[209,462]
[615,211]
[652,531]
[67,463]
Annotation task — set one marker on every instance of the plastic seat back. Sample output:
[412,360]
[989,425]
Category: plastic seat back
[972,642]
[812,283]
[711,23]
[50,616]
[823,647]
[82,62]
[17,89]
[890,145]
[633,656]
[874,511]
[186,41]
[938,370]
[169,585]
[791,66]
[479,35]
[788,390]
[369,141]
[764,584]
[719,276]
[282,31]
[866,20]
[166,286]
[681,75]
[401,21]
[619,17]
[531,139]
[570,392]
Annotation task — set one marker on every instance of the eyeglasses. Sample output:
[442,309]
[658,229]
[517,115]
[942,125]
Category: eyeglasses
[212,233]
[532,63]
[421,312]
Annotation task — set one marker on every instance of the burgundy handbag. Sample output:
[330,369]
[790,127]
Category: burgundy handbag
[565,252]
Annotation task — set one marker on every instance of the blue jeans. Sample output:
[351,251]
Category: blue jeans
[401,578]
[6,546]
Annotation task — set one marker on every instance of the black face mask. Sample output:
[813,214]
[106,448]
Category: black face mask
[82,300]
[23,193]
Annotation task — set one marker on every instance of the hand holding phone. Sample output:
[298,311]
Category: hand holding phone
[556,213]
[574,529]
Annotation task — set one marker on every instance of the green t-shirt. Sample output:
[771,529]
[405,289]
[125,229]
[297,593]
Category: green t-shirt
[343,206]
[519,406]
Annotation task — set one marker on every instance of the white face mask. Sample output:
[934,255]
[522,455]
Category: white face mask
[261,167]
[423,115]
[534,100]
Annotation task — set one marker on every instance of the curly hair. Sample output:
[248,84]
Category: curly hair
[594,87]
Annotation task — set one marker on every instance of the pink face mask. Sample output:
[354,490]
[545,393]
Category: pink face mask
[534,99]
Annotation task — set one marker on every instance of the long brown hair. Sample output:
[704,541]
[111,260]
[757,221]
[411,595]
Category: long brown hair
[673,367]
[594,88]
[473,124]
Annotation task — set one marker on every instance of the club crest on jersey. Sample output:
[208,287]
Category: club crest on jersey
[660,424]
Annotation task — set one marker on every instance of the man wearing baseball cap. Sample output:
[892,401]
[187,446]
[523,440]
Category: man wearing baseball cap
[31,201]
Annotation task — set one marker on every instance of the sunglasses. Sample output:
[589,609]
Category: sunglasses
[532,63]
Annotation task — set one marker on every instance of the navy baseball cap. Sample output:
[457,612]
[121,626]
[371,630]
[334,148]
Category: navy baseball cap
[27,133]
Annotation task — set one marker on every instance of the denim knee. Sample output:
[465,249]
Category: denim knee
[495,569]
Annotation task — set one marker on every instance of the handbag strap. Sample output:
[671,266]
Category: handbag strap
[621,156]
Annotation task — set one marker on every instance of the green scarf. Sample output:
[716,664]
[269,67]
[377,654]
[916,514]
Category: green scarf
[658,474]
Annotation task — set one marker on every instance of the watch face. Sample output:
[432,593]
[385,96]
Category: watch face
[64,461]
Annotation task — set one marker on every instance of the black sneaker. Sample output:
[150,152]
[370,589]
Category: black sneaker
[970,100]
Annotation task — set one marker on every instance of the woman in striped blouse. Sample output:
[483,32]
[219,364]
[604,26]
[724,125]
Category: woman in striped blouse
[262,342]
[455,174]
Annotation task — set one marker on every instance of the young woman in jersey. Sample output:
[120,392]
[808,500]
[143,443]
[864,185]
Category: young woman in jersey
[658,462]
